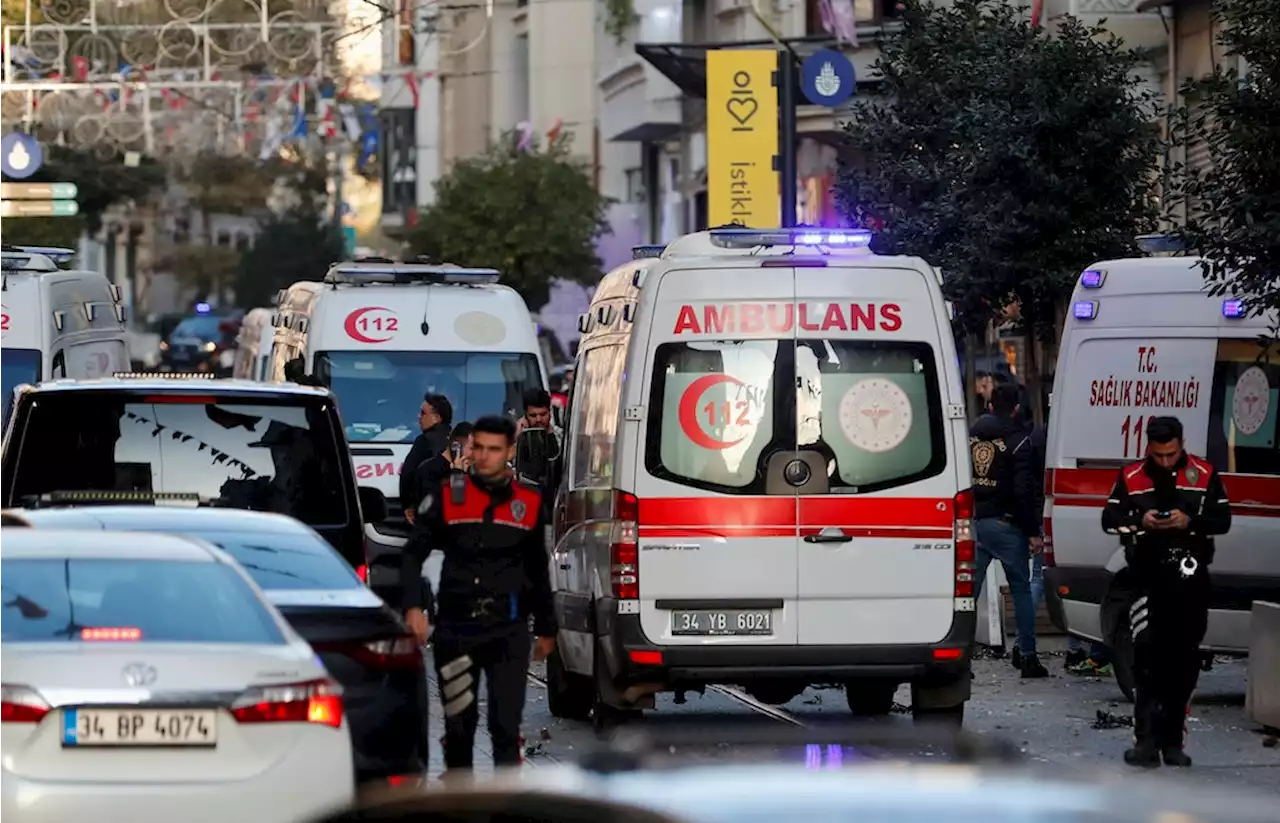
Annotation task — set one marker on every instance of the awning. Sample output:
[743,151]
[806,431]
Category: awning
[1152,5]
[685,64]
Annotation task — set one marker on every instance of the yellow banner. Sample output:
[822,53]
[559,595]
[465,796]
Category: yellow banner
[742,139]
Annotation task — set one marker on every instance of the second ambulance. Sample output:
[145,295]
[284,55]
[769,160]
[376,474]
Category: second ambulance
[779,497]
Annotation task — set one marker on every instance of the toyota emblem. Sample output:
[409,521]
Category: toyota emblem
[139,674]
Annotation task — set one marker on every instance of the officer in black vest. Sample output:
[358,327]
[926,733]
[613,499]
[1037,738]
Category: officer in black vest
[495,577]
[1166,510]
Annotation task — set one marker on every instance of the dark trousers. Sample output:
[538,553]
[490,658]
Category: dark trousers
[1168,621]
[502,655]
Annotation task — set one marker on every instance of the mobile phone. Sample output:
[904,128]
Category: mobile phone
[1164,515]
[456,450]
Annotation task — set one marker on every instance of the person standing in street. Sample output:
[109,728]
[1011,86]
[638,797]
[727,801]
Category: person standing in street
[495,577]
[435,417]
[1166,510]
[433,471]
[1007,522]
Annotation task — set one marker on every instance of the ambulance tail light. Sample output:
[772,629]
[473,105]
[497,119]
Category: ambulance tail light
[1048,518]
[624,550]
[966,551]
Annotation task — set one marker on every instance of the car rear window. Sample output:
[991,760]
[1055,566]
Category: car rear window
[872,408]
[281,457]
[286,561]
[48,600]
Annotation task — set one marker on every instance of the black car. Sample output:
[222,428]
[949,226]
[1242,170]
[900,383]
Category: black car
[203,342]
[363,643]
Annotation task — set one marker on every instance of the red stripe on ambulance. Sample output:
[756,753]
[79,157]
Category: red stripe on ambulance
[1250,495]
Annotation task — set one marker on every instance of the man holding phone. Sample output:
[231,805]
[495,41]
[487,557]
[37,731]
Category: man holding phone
[1166,510]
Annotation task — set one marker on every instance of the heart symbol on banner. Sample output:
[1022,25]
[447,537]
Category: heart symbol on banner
[742,109]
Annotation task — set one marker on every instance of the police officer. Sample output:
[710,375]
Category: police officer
[491,529]
[1166,509]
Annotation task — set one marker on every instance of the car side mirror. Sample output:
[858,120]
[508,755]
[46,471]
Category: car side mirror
[373,504]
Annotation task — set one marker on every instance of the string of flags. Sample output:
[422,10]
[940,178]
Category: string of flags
[219,457]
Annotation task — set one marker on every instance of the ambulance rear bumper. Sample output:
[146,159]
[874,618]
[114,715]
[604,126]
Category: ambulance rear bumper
[624,641]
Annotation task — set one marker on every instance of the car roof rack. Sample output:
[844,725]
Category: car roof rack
[108,497]
[364,273]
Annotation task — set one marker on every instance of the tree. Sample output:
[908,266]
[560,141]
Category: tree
[1008,156]
[299,243]
[533,215]
[1232,207]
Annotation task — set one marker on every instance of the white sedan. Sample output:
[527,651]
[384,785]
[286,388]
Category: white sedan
[146,678]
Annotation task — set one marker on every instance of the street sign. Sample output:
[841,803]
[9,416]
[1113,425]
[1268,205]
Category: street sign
[828,78]
[39,191]
[20,155]
[39,208]
[742,138]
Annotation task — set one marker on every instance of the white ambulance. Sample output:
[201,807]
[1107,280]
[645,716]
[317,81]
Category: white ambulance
[768,481]
[1144,339]
[57,323]
[381,335]
[253,346]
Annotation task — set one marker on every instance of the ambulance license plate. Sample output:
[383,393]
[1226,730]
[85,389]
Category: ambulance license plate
[722,622]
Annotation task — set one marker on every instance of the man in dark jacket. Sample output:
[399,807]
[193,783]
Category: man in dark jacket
[1007,520]
[491,529]
[1166,510]
[435,416]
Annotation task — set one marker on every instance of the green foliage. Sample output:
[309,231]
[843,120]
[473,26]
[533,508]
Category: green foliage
[103,181]
[222,184]
[619,15]
[1232,208]
[534,216]
[297,244]
[1008,156]
[62,232]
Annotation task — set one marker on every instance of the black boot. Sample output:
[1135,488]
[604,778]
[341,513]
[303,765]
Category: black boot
[1143,754]
[1031,666]
[1175,756]
[1016,657]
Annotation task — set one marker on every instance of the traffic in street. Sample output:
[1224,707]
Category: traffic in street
[776,520]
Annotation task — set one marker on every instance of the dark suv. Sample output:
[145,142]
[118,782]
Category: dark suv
[203,342]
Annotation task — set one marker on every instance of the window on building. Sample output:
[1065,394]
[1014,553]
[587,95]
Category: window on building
[520,78]
[635,186]
[406,41]
[865,12]
[242,242]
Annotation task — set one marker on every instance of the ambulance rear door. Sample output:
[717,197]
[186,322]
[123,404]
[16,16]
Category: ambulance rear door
[717,535]
[876,553]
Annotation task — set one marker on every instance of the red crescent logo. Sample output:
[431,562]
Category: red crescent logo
[688,411]
[352,326]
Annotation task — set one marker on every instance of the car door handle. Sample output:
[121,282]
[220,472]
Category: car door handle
[828,535]
[564,566]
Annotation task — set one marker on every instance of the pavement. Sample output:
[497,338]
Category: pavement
[1064,723]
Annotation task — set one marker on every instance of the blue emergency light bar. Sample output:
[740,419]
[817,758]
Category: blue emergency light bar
[408,273]
[647,251]
[824,238]
[1233,309]
[1158,243]
[1085,310]
[1092,279]
[203,308]
[55,253]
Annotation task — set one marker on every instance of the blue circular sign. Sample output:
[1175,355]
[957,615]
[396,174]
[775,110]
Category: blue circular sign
[20,155]
[828,78]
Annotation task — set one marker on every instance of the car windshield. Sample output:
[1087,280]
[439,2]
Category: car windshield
[279,456]
[17,366]
[142,600]
[380,393]
[202,327]
[283,561]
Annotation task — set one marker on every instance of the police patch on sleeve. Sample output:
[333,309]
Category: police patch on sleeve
[518,509]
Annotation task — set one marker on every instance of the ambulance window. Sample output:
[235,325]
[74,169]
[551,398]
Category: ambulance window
[598,392]
[874,408]
[97,359]
[717,412]
[1244,414]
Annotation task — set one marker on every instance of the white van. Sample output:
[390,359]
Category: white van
[768,480]
[380,335]
[253,346]
[1144,339]
[57,323]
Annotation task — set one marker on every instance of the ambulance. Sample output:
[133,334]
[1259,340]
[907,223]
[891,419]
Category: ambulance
[768,481]
[381,335]
[253,346]
[56,322]
[1144,339]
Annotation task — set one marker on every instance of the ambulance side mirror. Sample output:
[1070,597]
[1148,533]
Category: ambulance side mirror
[373,504]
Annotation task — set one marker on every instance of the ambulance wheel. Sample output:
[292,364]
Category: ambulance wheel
[605,716]
[1122,654]
[870,698]
[569,695]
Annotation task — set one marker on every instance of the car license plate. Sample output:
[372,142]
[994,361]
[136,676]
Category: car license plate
[139,727]
[722,622]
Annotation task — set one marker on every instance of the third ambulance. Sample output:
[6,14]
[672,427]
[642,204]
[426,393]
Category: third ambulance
[1144,339]
[768,481]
